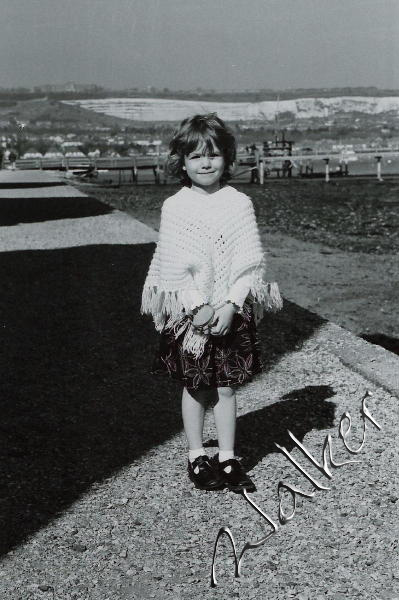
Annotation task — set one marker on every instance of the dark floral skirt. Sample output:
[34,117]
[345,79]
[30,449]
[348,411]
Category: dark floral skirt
[227,360]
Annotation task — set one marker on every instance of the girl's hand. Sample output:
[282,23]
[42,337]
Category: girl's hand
[222,320]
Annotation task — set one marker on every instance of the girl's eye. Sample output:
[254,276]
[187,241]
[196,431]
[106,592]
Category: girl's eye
[197,156]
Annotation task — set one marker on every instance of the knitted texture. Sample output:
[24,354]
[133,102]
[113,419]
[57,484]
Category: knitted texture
[206,243]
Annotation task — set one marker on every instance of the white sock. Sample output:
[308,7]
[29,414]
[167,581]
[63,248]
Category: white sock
[193,454]
[226,455]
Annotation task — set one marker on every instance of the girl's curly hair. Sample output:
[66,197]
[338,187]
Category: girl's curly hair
[206,129]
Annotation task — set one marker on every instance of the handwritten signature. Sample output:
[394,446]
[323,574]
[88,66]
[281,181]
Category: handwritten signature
[344,431]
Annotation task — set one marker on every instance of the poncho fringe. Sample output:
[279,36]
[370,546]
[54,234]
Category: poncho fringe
[168,309]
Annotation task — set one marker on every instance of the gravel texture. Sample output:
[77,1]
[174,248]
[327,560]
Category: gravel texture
[114,228]
[144,532]
[62,191]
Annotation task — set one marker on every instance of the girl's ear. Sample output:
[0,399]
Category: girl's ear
[233,166]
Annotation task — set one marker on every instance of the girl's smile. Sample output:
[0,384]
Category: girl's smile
[205,168]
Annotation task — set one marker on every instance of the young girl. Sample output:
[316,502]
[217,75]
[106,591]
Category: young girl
[209,257]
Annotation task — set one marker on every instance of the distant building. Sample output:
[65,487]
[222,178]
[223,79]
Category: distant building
[53,153]
[94,154]
[70,86]
[32,153]
[71,144]
[74,152]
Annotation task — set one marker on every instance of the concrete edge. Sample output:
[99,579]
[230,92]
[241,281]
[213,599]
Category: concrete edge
[377,365]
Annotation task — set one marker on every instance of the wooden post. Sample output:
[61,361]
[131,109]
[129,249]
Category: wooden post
[261,171]
[379,178]
[157,170]
[327,160]
[165,171]
[257,155]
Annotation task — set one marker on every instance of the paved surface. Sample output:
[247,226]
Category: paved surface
[35,184]
[151,543]
[58,191]
[115,228]
[15,178]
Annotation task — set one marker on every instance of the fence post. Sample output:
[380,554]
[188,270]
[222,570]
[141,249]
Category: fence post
[157,170]
[327,160]
[135,171]
[165,172]
[261,171]
[379,178]
[158,179]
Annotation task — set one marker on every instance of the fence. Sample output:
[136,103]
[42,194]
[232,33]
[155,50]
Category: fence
[258,166]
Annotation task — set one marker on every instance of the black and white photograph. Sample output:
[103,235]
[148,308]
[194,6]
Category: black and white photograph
[199,357]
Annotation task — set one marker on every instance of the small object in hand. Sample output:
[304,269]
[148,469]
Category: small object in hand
[203,316]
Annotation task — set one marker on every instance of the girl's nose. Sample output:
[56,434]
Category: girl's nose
[206,161]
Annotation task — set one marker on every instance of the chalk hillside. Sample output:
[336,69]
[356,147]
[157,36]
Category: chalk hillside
[160,109]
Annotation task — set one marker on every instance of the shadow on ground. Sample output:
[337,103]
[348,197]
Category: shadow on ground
[385,341]
[34,210]
[303,410]
[78,401]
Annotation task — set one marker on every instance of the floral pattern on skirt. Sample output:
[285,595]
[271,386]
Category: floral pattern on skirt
[228,360]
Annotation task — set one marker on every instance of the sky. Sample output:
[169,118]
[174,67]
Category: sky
[212,44]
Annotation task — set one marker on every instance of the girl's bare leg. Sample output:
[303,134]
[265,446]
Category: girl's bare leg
[193,413]
[225,413]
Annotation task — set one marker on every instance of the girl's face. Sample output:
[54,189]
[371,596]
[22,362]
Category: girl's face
[205,168]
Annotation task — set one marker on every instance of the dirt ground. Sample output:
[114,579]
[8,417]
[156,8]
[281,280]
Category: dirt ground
[333,250]
[355,290]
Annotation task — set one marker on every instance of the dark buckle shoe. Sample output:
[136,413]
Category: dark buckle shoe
[207,478]
[237,479]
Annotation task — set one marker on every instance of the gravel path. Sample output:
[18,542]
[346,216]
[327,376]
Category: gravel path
[63,191]
[144,532]
[114,228]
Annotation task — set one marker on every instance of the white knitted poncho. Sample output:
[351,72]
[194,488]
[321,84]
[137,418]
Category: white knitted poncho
[209,251]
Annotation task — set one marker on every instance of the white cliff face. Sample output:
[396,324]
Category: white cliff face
[157,109]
